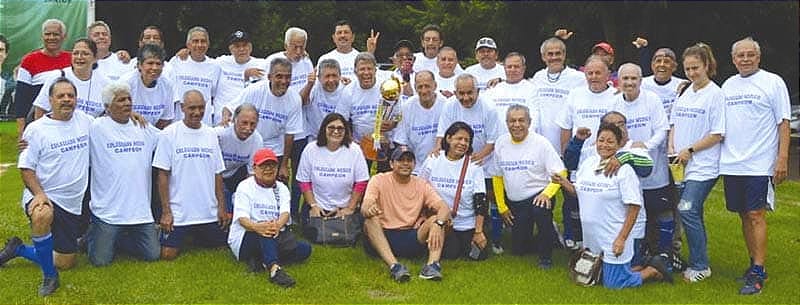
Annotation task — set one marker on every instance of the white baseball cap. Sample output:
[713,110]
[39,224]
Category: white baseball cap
[486,42]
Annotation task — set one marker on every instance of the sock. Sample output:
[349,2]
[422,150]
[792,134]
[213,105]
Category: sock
[28,252]
[666,229]
[44,250]
[758,269]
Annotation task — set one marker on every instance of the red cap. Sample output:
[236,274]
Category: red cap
[264,155]
[605,46]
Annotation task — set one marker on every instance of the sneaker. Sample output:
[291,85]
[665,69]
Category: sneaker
[432,271]
[49,285]
[570,244]
[281,278]
[545,263]
[399,273]
[693,276]
[668,259]
[497,248]
[678,265]
[10,250]
[740,279]
[254,265]
[752,284]
[660,264]
[83,244]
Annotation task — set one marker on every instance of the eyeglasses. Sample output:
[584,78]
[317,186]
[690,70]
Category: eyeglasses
[335,128]
[267,166]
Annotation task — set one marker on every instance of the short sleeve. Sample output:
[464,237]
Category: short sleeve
[360,170]
[304,169]
[628,184]
[163,156]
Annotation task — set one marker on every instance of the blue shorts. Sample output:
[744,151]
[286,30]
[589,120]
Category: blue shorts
[205,235]
[618,276]
[66,229]
[748,193]
[403,243]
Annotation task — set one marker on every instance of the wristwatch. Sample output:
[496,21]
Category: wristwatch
[440,222]
[691,150]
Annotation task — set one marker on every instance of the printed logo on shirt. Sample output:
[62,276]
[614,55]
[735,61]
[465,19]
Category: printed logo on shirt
[332,172]
[738,100]
[424,130]
[554,93]
[195,81]
[326,108]
[516,165]
[447,182]
[71,144]
[591,113]
[233,76]
[148,110]
[508,101]
[594,187]
[266,114]
[89,107]
[194,152]
[365,110]
[639,122]
[266,211]
[233,157]
[120,147]
[299,80]
[687,112]
[477,128]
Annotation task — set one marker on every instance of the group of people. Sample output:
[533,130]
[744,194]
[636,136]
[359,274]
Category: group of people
[140,155]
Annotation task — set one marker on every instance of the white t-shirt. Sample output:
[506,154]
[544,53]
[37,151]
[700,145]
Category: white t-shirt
[443,175]
[483,120]
[504,95]
[332,173]
[193,158]
[278,115]
[347,62]
[88,99]
[417,129]
[754,106]
[423,63]
[446,83]
[526,167]
[155,103]
[667,92]
[231,81]
[647,122]
[202,76]
[362,107]
[112,67]
[484,76]
[257,203]
[321,104]
[300,71]
[121,156]
[584,108]
[235,152]
[58,151]
[604,205]
[694,116]
[550,93]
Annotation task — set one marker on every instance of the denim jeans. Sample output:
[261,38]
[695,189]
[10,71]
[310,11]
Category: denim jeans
[104,239]
[693,197]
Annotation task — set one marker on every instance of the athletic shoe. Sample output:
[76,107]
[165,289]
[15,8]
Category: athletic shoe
[678,265]
[742,278]
[399,273]
[545,263]
[83,244]
[49,285]
[752,284]
[660,264]
[693,276]
[281,278]
[432,271]
[10,250]
[570,244]
[497,248]
[254,265]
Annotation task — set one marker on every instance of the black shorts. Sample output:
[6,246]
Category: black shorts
[205,235]
[66,229]
[748,193]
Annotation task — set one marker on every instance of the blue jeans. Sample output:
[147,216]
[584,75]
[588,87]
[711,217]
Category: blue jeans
[138,240]
[693,197]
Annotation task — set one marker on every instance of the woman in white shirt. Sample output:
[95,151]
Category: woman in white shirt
[332,173]
[443,172]
[698,124]
[609,206]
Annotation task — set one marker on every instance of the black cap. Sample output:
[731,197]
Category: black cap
[400,153]
[238,36]
[404,44]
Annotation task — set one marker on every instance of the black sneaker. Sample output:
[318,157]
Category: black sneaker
[545,263]
[10,250]
[281,278]
[432,271]
[49,285]
[660,264]
[752,284]
[399,273]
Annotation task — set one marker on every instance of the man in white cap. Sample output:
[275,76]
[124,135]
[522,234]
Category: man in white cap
[487,68]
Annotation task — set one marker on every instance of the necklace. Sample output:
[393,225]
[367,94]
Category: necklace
[553,77]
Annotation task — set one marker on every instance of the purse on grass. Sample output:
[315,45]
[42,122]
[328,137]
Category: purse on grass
[585,267]
[335,230]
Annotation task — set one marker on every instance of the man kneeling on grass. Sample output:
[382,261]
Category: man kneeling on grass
[393,203]
[258,233]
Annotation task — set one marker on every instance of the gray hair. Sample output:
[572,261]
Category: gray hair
[193,91]
[446,48]
[111,91]
[196,29]
[466,76]
[328,64]
[552,40]
[99,23]
[365,56]
[593,58]
[630,65]
[518,107]
[245,107]
[151,51]
[294,32]
[55,21]
[744,40]
[282,62]
[515,54]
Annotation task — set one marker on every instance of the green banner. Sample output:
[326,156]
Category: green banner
[21,23]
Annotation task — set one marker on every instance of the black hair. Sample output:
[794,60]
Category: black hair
[322,138]
[452,130]
[613,129]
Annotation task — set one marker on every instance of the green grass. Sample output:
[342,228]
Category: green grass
[335,275]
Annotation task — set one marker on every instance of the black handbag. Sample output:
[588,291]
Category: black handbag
[586,268]
[334,230]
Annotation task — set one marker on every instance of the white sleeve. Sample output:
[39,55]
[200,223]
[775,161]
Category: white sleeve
[564,117]
[493,126]
[628,184]
[256,145]
[478,178]
[445,120]
[294,124]
[169,109]
[42,100]
[553,161]
[360,171]
[304,171]
[219,162]
[781,105]
[241,204]
[660,126]
[343,106]
[401,134]
[163,156]
[285,197]
[29,157]
[717,114]
[425,171]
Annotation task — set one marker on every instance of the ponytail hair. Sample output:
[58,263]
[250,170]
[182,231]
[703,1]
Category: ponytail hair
[703,51]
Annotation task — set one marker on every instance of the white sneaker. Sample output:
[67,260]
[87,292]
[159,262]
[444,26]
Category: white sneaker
[693,276]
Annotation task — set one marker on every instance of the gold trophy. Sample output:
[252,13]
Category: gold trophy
[390,96]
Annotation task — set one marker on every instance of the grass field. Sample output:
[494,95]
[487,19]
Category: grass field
[335,275]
